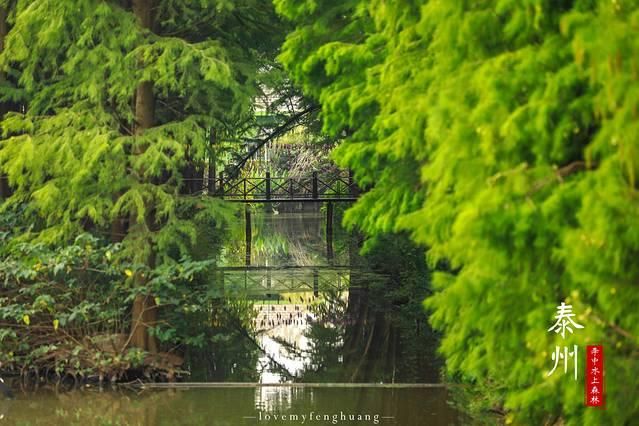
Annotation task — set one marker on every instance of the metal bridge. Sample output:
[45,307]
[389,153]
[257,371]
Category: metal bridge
[334,187]
[317,188]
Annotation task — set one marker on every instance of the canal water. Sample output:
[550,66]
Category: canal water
[305,330]
[234,406]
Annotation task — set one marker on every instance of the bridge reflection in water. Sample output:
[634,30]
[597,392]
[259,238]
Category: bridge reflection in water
[262,281]
[317,314]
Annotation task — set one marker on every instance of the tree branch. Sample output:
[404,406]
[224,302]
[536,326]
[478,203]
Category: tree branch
[276,133]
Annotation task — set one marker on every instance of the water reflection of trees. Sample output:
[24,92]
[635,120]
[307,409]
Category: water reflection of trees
[223,406]
[287,239]
[225,348]
[377,333]
[112,407]
[222,349]
[380,332]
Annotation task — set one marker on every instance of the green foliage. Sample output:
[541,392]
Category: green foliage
[81,167]
[503,136]
[66,309]
[76,145]
[52,299]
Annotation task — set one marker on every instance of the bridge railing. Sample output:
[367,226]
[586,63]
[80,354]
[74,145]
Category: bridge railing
[337,186]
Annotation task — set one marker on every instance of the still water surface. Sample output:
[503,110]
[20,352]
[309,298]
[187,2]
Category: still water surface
[319,313]
[235,406]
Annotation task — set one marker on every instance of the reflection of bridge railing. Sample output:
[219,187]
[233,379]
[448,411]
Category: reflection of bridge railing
[258,280]
[330,187]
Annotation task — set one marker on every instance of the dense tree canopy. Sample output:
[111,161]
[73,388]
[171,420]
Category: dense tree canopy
[117,105]
[79,143]
[503,136]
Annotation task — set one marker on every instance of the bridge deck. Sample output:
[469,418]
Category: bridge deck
[289,200]
[289,268]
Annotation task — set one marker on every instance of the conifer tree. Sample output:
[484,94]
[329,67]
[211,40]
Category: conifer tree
[503,136]
[121,94]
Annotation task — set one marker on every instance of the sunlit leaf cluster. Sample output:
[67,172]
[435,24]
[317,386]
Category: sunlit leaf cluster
[503,136]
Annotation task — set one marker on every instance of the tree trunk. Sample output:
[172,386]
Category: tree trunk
[144,107]
[143,10]
[144,315]
[144,312]
[118,228]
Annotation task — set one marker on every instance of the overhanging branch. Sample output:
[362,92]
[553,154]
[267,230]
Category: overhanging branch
[279,131]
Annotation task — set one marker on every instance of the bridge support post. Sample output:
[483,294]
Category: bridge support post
[329,231]
[315,282]
[315,189]
[290,187]
[211,186]
[268,206]
[268,185]
[248,233]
